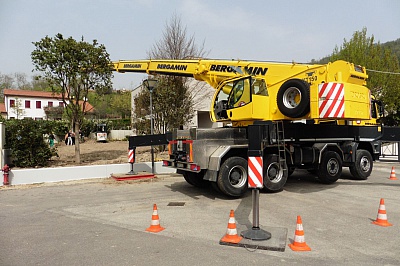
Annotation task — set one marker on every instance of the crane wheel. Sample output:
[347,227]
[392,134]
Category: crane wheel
[362,167]
[232,177]
[330,168]
[293,98]
[275,174]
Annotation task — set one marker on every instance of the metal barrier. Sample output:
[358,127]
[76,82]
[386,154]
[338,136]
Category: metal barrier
[148,140]
[390,150]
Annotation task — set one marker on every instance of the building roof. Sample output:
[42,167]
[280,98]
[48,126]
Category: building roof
[88,107]
[38,94]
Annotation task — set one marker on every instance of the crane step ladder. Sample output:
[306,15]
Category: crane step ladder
[280,142]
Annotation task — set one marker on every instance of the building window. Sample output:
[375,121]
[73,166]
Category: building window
[38,118]
[12,103]
[50,104]
[61,104]
[38,104]
[27,104]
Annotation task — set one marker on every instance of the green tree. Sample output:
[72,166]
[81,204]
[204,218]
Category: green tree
[121,103]
[140,123]
[73,68]
[101,104]
[172,101]
[382,67]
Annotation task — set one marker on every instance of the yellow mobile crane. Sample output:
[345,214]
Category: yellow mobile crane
[264,101]
[248,91]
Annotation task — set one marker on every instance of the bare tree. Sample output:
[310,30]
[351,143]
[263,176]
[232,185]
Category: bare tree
[175,43]
[6,82]
[174,98]
[22,82]
[39,83]
[18,108]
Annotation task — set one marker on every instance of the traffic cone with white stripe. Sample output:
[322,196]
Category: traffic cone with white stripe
[382,217]
[231,235]
[155,222]
[299,244]
[393,174]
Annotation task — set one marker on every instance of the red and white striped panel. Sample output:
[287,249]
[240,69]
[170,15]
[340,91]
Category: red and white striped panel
[255,169]
[331,100]
[131,156]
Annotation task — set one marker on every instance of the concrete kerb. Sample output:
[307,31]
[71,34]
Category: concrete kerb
[59,174]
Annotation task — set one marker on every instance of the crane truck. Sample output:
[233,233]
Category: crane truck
[271,109]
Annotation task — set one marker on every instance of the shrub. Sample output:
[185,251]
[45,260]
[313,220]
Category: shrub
[25,139]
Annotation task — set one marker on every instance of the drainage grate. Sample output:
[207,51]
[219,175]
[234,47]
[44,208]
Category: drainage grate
[176,203]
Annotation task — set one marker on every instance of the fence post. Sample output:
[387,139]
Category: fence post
[398,151]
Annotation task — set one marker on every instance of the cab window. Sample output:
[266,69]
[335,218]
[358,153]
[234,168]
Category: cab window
[237,93]
[373,110]
[240,93]
[259,87]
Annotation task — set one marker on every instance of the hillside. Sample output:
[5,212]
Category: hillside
[392,45]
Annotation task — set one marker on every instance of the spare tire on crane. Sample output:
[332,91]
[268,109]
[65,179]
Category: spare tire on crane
[293,98]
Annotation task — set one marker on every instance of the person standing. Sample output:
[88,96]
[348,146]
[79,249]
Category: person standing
[69,138]
[51,139]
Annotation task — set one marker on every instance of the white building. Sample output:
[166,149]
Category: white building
[20,104]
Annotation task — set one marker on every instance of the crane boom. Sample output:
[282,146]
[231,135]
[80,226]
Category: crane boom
[247,91]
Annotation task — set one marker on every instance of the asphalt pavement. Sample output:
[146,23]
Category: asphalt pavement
[103,222]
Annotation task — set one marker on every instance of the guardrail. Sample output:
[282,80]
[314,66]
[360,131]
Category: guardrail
[390,150]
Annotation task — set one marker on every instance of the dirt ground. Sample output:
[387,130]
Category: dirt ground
[92,153]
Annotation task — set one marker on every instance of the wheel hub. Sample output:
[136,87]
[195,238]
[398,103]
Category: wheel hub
[332,167]
[236,177]
[291,97]
[274,172]
[365,164]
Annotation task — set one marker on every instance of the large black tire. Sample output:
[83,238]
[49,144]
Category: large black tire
[196,179]
[232,177]
[293,98]
[330,168]
[275,174]
[363,165]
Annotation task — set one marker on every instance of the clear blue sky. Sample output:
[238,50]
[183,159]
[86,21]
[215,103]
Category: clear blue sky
[257,30]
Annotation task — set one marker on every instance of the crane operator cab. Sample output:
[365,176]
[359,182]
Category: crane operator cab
[235,99]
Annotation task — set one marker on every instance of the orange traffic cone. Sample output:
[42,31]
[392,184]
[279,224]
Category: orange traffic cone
[155,222]
[382,217]
[231,235]
[299,243]
[393,174]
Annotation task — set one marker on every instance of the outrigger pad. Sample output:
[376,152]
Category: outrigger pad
[277,242]
[135,176]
